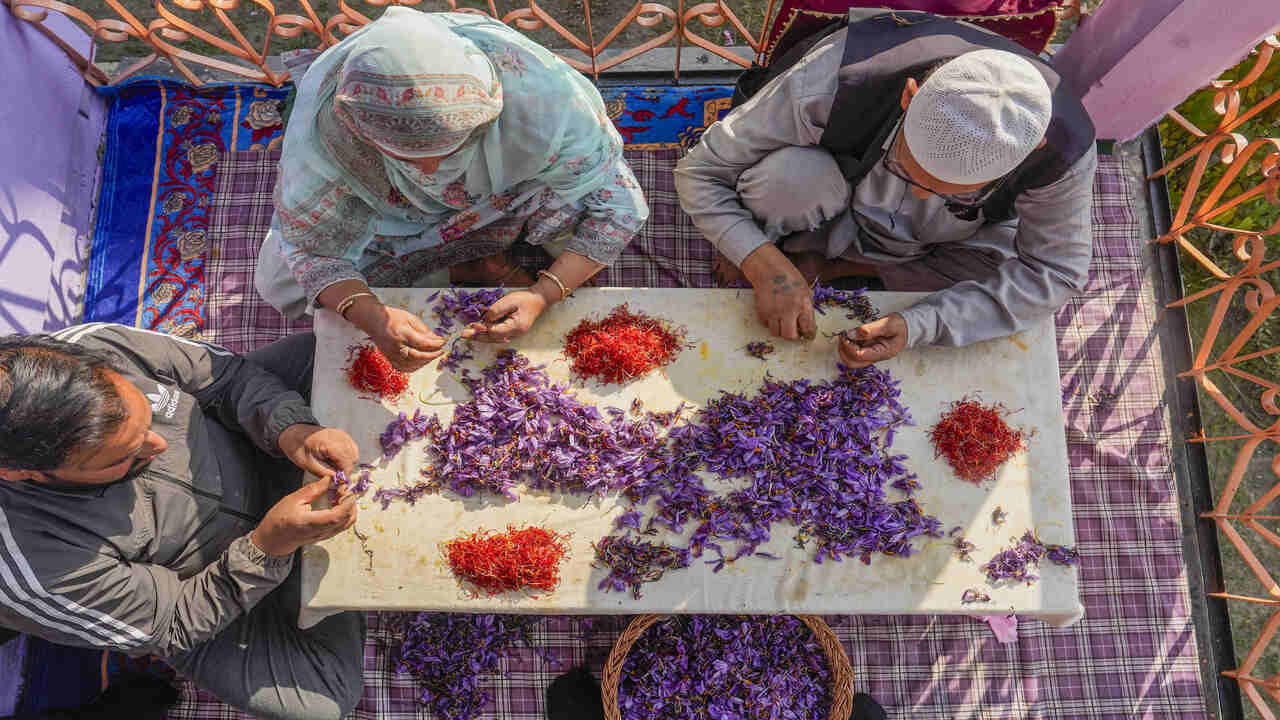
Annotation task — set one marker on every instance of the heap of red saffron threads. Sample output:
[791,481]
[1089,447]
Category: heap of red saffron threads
[498,562]
[369,371]
[622,347]
[975,439]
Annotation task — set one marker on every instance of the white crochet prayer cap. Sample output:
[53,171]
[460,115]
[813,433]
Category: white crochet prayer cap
[977,117]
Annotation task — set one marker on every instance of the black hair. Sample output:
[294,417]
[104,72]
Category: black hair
[55,398]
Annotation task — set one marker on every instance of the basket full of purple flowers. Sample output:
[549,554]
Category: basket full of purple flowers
[716,667]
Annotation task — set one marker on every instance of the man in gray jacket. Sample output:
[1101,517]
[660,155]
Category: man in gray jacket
[150,503]
[924,150]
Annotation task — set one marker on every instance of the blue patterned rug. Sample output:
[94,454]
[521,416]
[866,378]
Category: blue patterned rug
[163,142]
[655,118]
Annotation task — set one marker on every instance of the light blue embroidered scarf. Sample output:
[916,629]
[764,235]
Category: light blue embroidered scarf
[419,85]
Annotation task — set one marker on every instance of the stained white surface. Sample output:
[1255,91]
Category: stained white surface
[408,571]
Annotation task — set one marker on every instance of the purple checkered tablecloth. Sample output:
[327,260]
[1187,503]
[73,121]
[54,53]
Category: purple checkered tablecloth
[669,251]
[1133,656]
[239,218]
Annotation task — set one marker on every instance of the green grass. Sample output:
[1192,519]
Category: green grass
[1246,619]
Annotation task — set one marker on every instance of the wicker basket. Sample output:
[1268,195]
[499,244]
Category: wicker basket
[837,661]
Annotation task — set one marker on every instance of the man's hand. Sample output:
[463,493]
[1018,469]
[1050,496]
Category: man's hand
[874,341]
[319,450]
[291,523]
[393,329]
[727,274]
[784,301]
[509,318]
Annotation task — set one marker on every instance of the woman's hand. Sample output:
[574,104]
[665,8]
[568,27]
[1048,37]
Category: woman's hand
[402,336]
[515,313]
[510,317]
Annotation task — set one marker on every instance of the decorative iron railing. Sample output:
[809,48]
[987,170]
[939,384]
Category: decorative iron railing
[1229,184]
[208,25]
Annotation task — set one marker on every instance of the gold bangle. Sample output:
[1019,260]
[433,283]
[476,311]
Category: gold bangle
[350,300]
[564,291]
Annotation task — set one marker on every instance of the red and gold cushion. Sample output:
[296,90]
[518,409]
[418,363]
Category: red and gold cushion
[1030,23]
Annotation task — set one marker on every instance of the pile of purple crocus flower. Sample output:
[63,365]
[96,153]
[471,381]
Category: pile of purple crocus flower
[519,428]
[817,454]
[1015,563]
[725,666]
[462,307]
[448,653]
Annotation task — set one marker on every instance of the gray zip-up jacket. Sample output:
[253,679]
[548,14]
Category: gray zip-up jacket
[163,562]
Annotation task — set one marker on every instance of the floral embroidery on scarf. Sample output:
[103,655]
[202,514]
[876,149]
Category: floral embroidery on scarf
[459,225]
[578,165]
[455,194]
[396,199]
[509,61]
[504,57]
[502,200]
[625,180]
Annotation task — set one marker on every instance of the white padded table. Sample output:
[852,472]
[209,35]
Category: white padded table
[407,571]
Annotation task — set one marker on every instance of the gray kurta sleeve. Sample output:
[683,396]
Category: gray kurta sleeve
[1054,242]
[791,110]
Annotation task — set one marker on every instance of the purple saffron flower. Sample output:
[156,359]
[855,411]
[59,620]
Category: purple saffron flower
[361,486]
[336,484]
[814,454]
[457,355]
[449,653]
[404,429]
[632,563]
[519,428]
[1062,555]
[855,301]
[1015,563]
[629,519]
[458,307]
[725,667]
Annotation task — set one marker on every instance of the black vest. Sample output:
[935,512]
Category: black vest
[882,50]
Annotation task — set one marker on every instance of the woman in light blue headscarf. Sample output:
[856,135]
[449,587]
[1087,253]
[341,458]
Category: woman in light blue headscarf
[432,141]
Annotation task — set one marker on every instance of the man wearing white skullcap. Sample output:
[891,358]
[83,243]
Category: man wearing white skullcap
[922,150]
